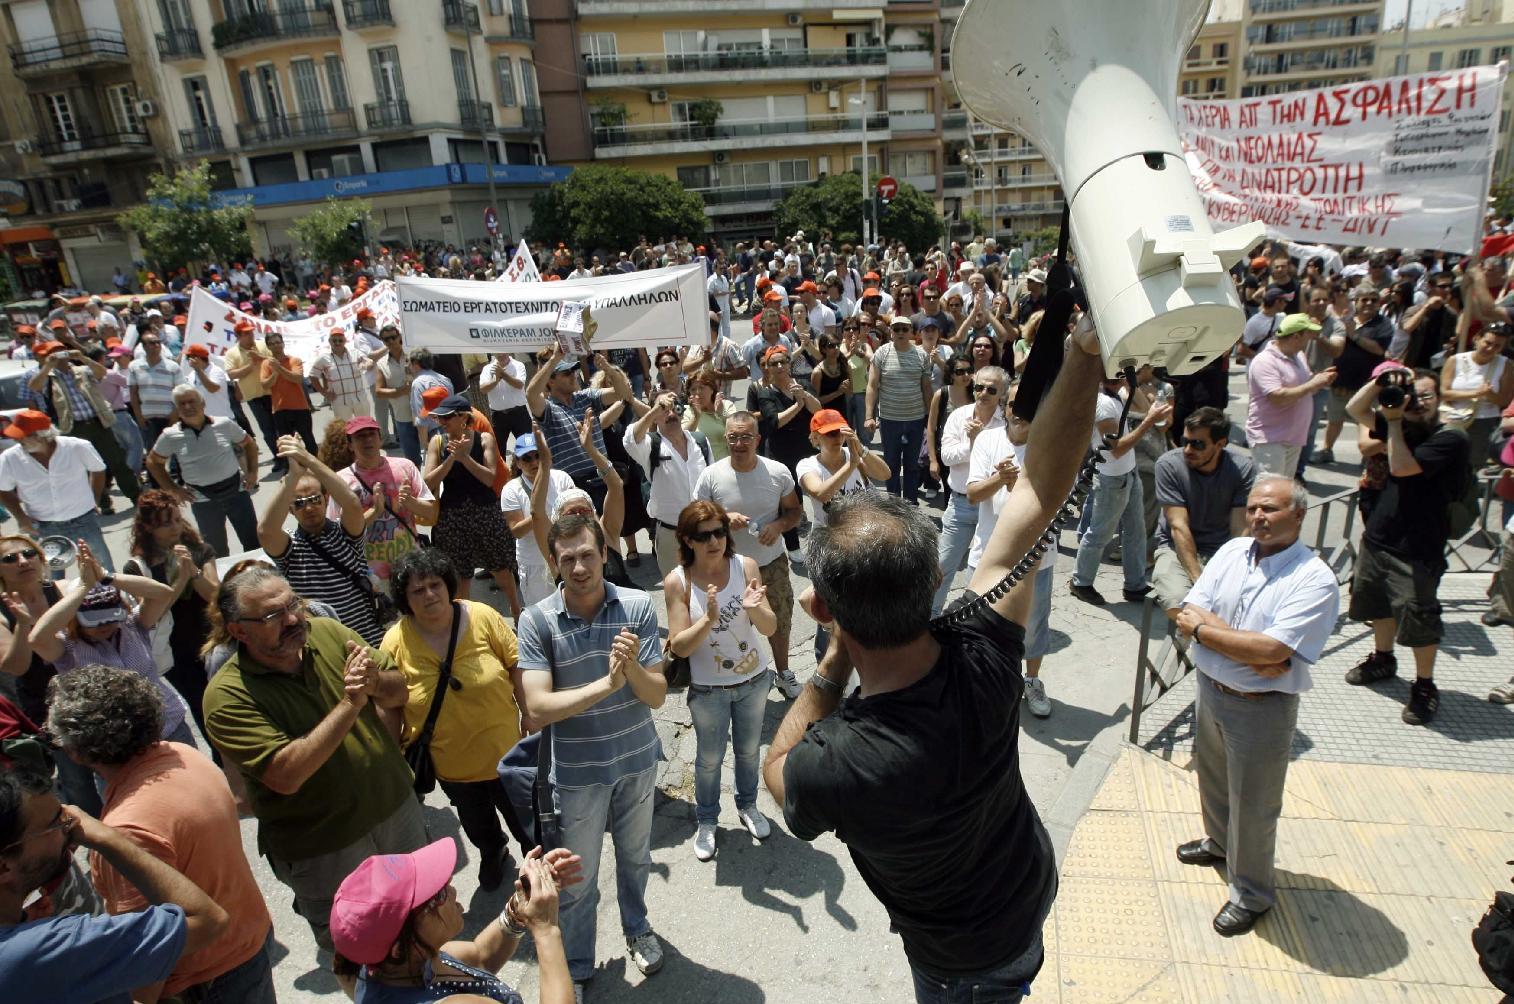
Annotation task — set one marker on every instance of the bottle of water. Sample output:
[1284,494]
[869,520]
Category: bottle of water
[1164,394]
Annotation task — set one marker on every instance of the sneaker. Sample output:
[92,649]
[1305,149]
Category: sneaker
[1088,594]
[1377,666]
[1324,456]
[796,557]
[1490,619]
[786,683]
[1424,701]
[930,494]
[755,822]
[1035,697]
[1503,693]
[646,952]
[704,842]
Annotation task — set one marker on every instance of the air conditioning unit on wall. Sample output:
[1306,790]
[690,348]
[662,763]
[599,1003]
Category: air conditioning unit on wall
[721,156]
[320,173]
[69,205]
[658,97]
[23,146]
[146,109]
[817,86]
[794,20]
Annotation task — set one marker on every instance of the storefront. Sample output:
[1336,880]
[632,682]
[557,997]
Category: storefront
[37,258]
[94,251]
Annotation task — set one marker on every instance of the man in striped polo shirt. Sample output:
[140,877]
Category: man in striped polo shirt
[152,380]
[898,397]
[592,664]
[554,399]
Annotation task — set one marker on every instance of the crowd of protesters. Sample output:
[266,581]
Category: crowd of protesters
[319,673]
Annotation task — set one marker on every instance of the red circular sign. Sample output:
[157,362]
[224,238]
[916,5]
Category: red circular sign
[887,187]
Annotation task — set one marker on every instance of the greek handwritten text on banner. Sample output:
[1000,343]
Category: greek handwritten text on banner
[212,322]
[1400,162]
[661,306]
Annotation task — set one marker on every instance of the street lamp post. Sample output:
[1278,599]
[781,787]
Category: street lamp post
[486,129]
[861,102]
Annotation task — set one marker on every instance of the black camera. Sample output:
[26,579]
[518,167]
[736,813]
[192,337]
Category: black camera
[1395,388]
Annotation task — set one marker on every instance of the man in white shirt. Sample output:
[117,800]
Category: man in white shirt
[207,376]
[266,281]
[339,377]
[239,279]
[822,318]
[50,483]
[1259,616]
[718,287]
[963,426]
[672,471]
[1116,501]
[503,381]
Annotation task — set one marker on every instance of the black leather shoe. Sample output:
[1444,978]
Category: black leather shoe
[1194,853]
[1233,920]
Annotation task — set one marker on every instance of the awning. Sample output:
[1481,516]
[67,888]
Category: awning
[25,235]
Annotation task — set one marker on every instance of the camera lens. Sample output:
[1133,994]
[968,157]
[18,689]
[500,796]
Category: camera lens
[1392,396]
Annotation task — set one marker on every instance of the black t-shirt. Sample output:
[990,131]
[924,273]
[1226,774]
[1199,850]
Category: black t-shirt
[923,786]
[1355,365]
[1409,517]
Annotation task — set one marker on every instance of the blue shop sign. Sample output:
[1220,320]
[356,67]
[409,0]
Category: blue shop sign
[384,182]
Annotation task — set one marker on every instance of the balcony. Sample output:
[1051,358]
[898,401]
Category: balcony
[946,64]
[1025,180]
[459,16]
[74,51]
[911,58]
[912,121]
[689,137]
[532,120]
[1009,153]
[516,28]
[179,43]
[87,145]
[382,116]
[954,121]
[627,8]
[956,181]
[1294,8]
[293,129]
[1212,63]
[203,139]
[247,31]
[475,115]
[745,198]
[924,182]
[1024,208]
[361,14]
[719,67]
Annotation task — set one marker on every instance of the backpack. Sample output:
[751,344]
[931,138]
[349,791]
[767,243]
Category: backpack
[654,442]
[1493,940]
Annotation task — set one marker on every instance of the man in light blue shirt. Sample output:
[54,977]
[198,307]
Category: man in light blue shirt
[1259,615]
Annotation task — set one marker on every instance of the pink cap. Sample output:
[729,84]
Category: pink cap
[1385,366]
[371,904]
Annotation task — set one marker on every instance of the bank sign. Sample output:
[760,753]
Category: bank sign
[386,182]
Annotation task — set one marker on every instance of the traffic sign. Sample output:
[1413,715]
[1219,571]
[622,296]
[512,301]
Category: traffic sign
[491,221]
[887,188]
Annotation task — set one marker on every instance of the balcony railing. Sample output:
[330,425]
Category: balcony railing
[293,128]
[1292,6]
[911,57]
[1025,180]
[1029,207]
[93,196]
[946,62]
[475,114]
[533,118]
[517,27]
[85,142]
[179,43]
[367,13]
[263,26]
[691,132]
[387,115]
[730,59]
[955,180]
[912,121]
[746,193]
[954,120]
[203,139]
[95,45]
[459,16]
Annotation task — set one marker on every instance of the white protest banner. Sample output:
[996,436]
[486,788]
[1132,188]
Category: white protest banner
[522,267]
[1401,162]
[213,322]
[662,306]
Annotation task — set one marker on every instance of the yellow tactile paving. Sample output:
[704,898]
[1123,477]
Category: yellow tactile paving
[1382,873]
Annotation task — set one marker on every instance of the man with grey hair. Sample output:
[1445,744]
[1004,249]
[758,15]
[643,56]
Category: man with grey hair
[303,709]
[920,777]
[218,466]
[1259,617]
[990,388]
[173,802]
[422,378]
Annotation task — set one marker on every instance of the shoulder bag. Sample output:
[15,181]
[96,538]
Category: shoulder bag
[526,771]
[418,753]
[384,610]
[675,668]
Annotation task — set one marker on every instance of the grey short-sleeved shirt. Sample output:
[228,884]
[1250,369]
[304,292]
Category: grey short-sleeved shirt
[206,455]
[1208,497]
[757,494]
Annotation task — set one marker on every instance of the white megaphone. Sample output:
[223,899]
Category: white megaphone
[1093,84]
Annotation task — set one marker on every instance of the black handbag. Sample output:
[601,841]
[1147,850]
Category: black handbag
[384,610]
[418,753]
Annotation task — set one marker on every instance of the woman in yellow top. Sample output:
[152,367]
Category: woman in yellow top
[482,715]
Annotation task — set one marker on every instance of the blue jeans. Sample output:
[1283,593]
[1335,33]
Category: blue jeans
[129,435]
[856,415]
[1320,396]
[409,440]
[1005,985]
[1116,503]
[957,528]
[745,283]
[901,451]
[1038,631]
[211,516]
[249,983]
[85,528]
[734,711]
[625,809]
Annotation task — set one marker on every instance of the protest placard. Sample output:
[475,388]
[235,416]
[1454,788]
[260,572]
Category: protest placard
[213,322]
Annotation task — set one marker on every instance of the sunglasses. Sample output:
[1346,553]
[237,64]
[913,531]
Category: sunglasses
[151,341]
[957,373]
[1196,444]
[25,554]
[307,500]
[705,536]
[294,606]
[991,390]
[740,437]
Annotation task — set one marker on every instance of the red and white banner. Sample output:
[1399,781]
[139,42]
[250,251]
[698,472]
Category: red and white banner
[522,267]
[1400,162]
[213,322]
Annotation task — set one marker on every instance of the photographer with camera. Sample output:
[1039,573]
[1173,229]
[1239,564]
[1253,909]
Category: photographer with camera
[1403,545]
[673,459]
[1368,334]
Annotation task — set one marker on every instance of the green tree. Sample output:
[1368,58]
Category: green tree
[835,204]
[335,231]
[1503,196]
[179,225]
[1043,240]
[613,207]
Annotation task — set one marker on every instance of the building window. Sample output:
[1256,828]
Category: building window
[388,82]
[496,7]
[528,84]
[1436,60]
[460,76]
[201,111]
[1467,57]
[872,164]
[1214,85]
[123,108]
[1400,64]
[694,177]
[912,164]
[504,77]
[793,172]
[336,83]
[598,49]
[60,115]
[1500,54]
[1193,54]
[307,87]
[1190,88]
[1220,50]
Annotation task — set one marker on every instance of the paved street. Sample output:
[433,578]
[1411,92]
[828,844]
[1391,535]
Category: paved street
[784,920]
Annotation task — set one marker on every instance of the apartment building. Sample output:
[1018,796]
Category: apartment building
[743,101]
[1467,41]
[414,104]
[1297,44]
[1211,69]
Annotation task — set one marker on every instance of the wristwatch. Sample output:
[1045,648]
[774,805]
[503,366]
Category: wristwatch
[824,684]
[1196,628]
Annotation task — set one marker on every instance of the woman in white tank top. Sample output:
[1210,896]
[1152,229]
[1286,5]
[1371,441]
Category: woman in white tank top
[1475,387]
[717,606]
